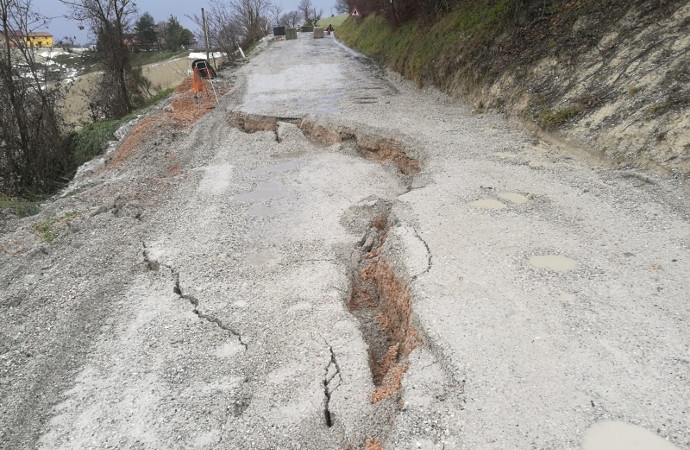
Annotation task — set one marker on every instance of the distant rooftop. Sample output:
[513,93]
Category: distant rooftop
[29,34]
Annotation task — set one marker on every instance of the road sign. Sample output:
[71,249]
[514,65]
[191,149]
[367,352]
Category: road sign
[355,12]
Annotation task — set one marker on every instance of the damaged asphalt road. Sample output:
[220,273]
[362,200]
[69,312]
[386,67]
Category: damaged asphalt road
[335,259]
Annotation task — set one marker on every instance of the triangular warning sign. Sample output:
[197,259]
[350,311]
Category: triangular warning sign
[355,12]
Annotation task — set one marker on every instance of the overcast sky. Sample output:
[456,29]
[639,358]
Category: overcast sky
[61,27]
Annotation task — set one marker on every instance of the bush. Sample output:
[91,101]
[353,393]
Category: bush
[550,120]
[92,140]
[34,154]
[19,207]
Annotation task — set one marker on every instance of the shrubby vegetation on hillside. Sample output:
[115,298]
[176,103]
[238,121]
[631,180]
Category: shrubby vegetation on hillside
[34,153]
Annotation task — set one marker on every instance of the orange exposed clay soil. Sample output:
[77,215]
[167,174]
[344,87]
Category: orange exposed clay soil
[182,113]
[184,105]
[383,151]
[387,299]
[373,444]
[393,315]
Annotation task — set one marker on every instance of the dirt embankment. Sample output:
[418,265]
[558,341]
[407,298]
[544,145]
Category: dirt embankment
[617,82]
[162,75]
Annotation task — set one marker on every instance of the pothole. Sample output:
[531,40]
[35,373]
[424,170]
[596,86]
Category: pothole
[513,197]
[621,435]
[557,263]
[291,155]
[488,203]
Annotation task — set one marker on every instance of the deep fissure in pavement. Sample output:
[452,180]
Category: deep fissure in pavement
[381,302]
[252,123]
[379,298]
[376,147]
[429,256]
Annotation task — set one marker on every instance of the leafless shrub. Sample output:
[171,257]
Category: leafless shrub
[119,90]
[34,154]
[237,22]
[290,19]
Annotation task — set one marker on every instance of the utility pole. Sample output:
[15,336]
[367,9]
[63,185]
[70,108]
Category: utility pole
[203,22]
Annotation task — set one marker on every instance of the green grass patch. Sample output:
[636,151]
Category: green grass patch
[80,61]
[336,21]
[49,229]
[552,119]
[144,58]
[85,62]
[19,207]
[375,37]
[158,96]
[424,51]
[92,139]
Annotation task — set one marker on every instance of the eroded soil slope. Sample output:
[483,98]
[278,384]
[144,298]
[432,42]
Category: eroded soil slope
[616,80]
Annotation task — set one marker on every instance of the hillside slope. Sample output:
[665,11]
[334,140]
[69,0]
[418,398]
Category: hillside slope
[611,76]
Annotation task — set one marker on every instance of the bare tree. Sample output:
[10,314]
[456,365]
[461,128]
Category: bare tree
[250,16]
[224,33]
[342,7]
[305,8]
[317,14]
[275,11]
[291,19]
[310,15]
[110,22]
[236,22]
[34,154]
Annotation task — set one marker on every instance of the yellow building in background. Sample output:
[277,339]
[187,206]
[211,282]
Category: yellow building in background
[39,39]
[35,39]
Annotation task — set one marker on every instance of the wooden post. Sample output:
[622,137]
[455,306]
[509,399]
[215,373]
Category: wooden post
[203,22]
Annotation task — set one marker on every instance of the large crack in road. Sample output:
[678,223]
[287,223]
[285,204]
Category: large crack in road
[314,267]
[378,298]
